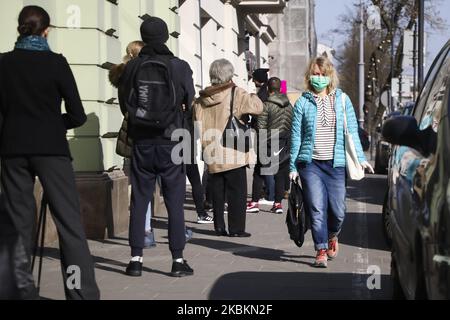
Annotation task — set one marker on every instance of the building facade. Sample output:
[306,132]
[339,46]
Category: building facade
[93,35]
[295,44]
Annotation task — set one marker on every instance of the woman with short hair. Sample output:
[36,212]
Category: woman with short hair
[318,154]
[226,165]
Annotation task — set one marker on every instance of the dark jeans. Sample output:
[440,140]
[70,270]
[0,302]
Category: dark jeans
[324,195]
[257,184]
[58,181]
[280,181]
[270,187]
[148,162]
[198,194]
[233,183]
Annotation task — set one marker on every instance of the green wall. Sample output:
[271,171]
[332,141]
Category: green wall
[87,48]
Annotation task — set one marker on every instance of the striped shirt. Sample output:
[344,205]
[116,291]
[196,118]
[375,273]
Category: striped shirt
[325,137]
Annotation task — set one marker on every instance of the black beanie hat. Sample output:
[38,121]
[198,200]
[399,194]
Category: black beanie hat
[260,75]
[154,31]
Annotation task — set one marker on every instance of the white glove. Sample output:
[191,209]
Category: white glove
[293,176]
[367,166]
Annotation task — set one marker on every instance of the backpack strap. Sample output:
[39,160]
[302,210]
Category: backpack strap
[232,101]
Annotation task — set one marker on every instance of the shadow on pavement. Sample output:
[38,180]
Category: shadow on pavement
[374,187]
[353,235]
[297,286]
[252,252]
[102,263]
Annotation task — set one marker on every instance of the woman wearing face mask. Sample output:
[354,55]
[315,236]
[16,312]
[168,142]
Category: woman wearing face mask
[318,154]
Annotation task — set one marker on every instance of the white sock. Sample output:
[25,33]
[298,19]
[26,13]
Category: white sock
[179,260]
[137,258]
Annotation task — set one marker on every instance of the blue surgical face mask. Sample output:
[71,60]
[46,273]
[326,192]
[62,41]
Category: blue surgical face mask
[319,83]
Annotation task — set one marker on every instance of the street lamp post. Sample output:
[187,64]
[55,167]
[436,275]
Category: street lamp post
[361,66]
[421,7]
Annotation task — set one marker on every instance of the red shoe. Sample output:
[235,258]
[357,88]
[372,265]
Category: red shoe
[277,208]
[333,248]
[321,259]
[252,207]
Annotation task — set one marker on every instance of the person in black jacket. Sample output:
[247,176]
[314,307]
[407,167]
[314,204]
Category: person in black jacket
[276,118]
[152,150]
[33,83]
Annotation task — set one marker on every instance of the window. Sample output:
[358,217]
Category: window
[431,115]
[418,110]
[433,103]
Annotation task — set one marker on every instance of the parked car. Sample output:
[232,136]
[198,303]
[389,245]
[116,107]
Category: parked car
[419,189]
[382,153]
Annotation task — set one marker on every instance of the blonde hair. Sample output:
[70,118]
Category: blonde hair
[133,50]
[327,68]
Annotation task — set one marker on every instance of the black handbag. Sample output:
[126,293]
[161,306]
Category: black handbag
[236,134]
[297,219]
[16,278]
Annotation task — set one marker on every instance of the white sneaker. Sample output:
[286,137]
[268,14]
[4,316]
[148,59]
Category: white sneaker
[205,219]
[265,202]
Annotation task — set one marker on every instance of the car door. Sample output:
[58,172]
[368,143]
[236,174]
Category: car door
[430,180]
[436,220]
[437,254]
[409,184]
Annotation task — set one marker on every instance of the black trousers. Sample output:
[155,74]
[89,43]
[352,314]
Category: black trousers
[58,181]
[207,185]
[258,182]
[281,177]
[233,183]
[148,162]
[198,193]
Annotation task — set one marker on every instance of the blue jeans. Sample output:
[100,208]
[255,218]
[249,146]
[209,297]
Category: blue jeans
[270,187]
[324,196]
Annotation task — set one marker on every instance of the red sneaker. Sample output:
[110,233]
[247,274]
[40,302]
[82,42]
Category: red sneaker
[252,207]
[277,208]
[333,248]
[321,259]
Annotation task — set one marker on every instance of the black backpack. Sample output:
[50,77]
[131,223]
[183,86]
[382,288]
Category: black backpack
[297,220]
[152,99]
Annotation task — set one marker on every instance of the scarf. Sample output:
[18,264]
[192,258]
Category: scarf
[36,43]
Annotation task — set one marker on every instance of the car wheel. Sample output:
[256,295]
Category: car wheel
[397,291]
[387,226]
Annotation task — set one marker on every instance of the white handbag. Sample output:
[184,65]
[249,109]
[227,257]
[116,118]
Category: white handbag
[354,169]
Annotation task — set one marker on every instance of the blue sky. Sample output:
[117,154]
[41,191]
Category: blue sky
[328,11]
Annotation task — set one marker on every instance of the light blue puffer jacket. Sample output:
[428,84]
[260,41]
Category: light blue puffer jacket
[304,128]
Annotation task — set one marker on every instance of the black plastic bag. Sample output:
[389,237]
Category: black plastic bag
[297,220]
[16,280]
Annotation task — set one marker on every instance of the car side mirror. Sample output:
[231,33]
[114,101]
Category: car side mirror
[403,131]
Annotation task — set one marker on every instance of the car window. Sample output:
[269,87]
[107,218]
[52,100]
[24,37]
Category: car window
[422,100]
[431,115]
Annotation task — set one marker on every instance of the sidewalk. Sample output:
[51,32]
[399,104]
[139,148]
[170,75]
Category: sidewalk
[265,266]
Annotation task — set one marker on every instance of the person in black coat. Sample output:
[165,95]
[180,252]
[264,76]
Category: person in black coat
[152,149]
[33,83]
